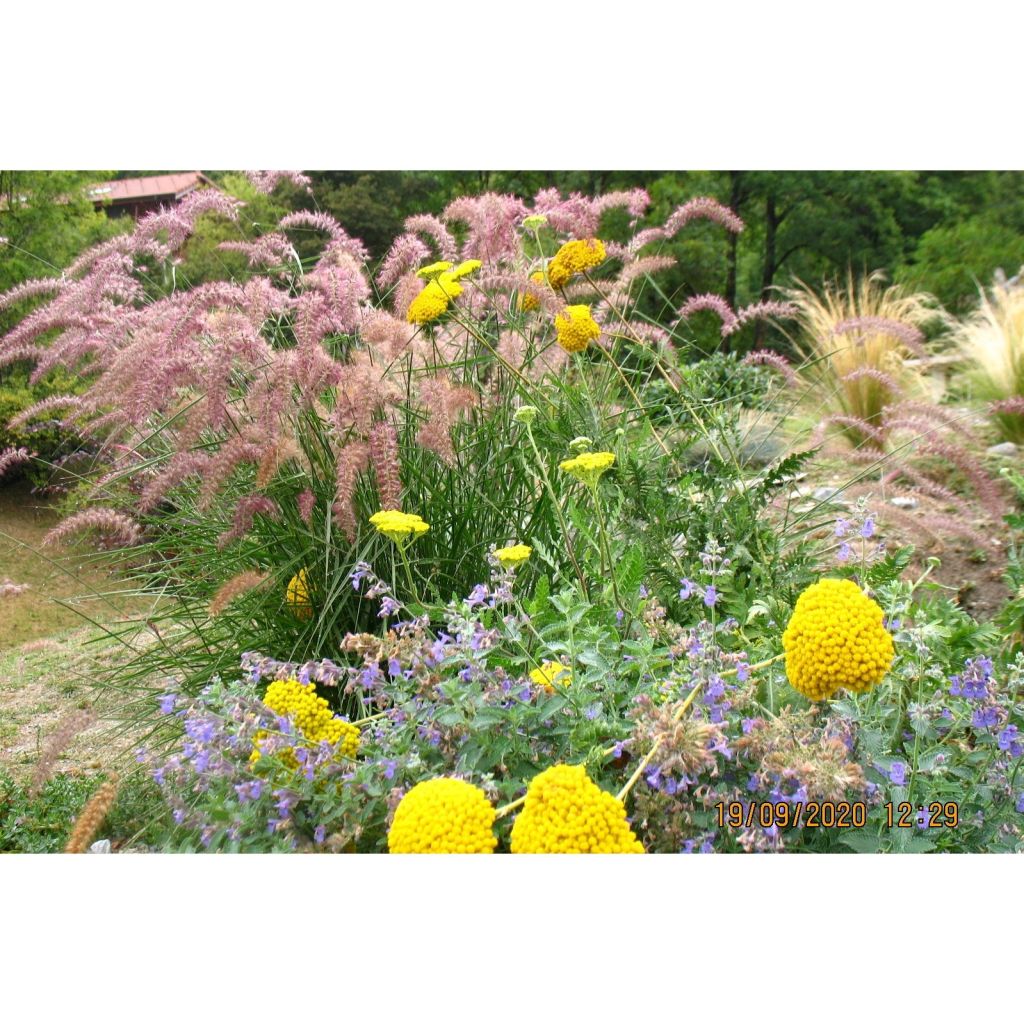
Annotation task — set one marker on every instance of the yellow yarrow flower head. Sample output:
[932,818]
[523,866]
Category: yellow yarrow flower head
[588,467]
[534,221]
[465,268]
[573,258]
[448,283]
[836,640]
[566,812]
[399,526]
[529,301]
[434,269]
[516,554]
[430,304]
[433,301]
[443,816]
[549,673]
[297,595]
[576,328]
[312,717]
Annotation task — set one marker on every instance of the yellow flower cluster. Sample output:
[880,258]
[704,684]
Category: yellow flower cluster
[465,268]
[398,525]
[566,812]
[443,816]
[514,555]
[576,328]
[588,467]
[297,595]
[529,301]
[573,258]
[434,269]
[836,640]
[433,301]
[551,672]
[312,717]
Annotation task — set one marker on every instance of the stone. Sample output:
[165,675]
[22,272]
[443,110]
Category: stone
[902,502]
[1006,449]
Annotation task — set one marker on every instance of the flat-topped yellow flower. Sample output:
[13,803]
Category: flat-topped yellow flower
[588,467]
[398,526]
[433,301]
[516,554]
[529,301]
[312,717]
[434,269]
[549,673]
[836,640]
[566,812]
[443,816]
[297,595]
[576,328]
[465,268]
[574,258]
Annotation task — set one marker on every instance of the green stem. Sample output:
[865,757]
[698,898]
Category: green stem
[408,574]
[606,551]
[557,507]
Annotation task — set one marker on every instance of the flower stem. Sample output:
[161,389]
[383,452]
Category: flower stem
[557,507]
[606,551]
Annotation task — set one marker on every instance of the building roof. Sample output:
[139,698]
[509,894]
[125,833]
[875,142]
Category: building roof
[152,187]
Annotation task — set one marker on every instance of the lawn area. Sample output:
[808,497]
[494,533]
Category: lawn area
[48,649]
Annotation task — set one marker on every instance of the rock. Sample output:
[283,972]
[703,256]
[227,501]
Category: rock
[901,502]
[1006,449]
[824,493]
[100,846]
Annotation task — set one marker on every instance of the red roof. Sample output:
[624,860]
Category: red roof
[133,189]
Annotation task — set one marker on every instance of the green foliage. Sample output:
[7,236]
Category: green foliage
[43,823]
[952,260]
[47,439]
[47,219]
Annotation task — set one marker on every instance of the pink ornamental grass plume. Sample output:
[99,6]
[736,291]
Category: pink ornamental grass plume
[266,181]
[331,299]
[408,287]
[114,527]
[445,403]
[575,216]
[764,357]
[909,335]
[324,222]
[30,290]
[714,304]
[493,222]
[56,743]
[636,200]
[246,511]
[429,225]
[386,465]
[46,405]
[769,310]
[12,457]
[407,252]
[268,250]
[706,208]
[352,459]
[243,583]
[306,502]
